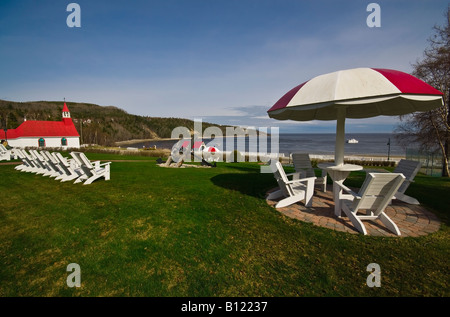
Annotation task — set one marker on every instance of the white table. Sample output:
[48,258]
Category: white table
[338,174]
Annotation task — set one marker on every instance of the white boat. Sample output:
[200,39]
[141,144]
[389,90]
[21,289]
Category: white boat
[352,141]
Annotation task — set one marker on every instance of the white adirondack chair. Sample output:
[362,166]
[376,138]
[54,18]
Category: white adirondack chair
[374,196]
[5,154]
[302,165]
[45,169]
[293,190]
[92,170]
[37,168]
[409,169]
[69,168]
[77,162]
[27,164]
[52,163]
[22,166]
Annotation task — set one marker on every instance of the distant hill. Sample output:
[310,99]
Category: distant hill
[96,124]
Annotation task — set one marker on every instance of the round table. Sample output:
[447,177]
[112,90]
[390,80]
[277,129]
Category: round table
[338,174]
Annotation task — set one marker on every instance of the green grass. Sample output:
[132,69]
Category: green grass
[153,231]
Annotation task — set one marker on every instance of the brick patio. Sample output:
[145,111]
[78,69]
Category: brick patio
[412,220]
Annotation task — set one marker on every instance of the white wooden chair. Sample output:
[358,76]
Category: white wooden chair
[68,167]
[24,165]
[293,190]
[38,168]
[409,169]
[303,166]
[45,169]
[27,164]
[92,170]
[5,154]
[374,196]
[52,163]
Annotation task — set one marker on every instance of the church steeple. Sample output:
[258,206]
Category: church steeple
[66,115]
[65,112]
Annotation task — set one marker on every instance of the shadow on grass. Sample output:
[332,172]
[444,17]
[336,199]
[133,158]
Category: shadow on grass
[252,184]
[244,168]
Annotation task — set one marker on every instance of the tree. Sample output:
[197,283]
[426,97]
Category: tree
[431,130]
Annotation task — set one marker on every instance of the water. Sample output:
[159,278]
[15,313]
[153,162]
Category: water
[321,144]
[368,144]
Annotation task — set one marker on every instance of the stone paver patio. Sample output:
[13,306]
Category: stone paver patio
[412,220]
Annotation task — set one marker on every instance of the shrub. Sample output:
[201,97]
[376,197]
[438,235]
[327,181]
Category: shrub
[237,156]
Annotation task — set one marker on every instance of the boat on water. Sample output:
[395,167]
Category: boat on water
[354,141]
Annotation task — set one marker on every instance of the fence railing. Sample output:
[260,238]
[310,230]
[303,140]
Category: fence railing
[431,161]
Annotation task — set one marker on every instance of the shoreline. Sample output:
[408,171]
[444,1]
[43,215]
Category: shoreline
[320,157]
[359,157]
[118,143]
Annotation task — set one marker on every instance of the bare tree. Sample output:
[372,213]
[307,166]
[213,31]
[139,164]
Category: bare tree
[431,130]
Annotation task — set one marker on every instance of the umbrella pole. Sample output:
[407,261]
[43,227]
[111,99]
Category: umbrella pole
[340,136]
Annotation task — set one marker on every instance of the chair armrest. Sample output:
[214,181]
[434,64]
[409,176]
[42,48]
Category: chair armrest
[376,170]
[106,163]
[348,190]
[295,176]
[308,179]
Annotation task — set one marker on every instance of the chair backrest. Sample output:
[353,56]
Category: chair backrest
[81,159]
[50,157]
[85,160]
[33,153]
[3,148]
[61,159]
[19,153]
[302,164]
[281,178]
[25,157]
[28,155]
[84,163]
[76,157]
[22,156]
[35,156]
[409,169]
[377,191]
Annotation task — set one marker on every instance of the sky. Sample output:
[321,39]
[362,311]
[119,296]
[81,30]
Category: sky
[221,61]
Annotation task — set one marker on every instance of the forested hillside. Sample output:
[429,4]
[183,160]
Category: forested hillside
[95,124]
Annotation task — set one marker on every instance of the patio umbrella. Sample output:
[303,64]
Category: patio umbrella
[355,93]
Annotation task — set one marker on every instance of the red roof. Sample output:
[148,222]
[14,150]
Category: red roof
[64,128]
[41,129]
[65,109]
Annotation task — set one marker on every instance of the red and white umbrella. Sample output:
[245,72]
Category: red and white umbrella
[355,93]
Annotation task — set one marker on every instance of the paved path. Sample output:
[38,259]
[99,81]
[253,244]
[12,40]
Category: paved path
[412,220]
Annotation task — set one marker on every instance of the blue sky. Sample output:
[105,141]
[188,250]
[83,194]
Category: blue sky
[222,61]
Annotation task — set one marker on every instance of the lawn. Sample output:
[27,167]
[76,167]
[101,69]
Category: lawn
[153,231]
